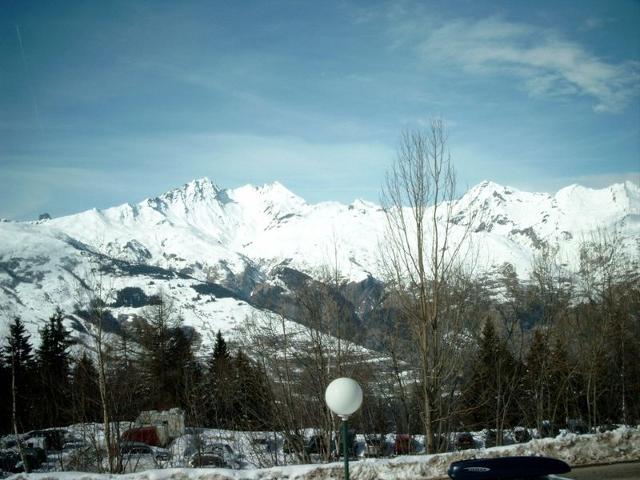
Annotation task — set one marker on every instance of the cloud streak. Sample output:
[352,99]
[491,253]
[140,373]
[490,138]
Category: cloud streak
[547,64]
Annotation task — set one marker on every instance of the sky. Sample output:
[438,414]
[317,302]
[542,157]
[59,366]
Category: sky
[103,103]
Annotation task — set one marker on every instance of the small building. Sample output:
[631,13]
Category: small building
[168,423]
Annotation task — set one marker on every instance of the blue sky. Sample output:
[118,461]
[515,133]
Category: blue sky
[107,102]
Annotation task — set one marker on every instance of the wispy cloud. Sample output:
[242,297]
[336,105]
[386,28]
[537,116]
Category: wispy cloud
[594,23]
[545,62]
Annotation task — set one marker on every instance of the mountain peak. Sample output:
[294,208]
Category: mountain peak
[273,192]
[197,189]
[488,185]
[274,186]
[200,186]
[614,197]
[486,190]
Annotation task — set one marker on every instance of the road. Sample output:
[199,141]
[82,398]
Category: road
[618,471]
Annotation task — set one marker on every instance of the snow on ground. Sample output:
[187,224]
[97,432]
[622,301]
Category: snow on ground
[619,445]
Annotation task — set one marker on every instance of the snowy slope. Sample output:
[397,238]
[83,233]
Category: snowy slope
[268,225]
[514,225]
[200,222]
[237,237]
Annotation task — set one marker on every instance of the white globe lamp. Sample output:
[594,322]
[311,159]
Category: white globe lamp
[344,397]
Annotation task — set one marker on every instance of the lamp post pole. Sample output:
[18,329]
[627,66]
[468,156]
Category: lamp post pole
[344,397]
[345,447]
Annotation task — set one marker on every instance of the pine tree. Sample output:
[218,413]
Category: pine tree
[5,396]
[489,396]
[182,359]
[18,357]
[220,350]
[220,385]
[155,337]
[196,394]
[128,387]
[563,385]
[537,379]
[54,371]
[18,343]
[85,392]
[252,395]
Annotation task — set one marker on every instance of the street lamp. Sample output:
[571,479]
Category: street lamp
[344,397]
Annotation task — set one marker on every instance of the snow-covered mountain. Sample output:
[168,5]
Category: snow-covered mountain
[200,223]
[211,249]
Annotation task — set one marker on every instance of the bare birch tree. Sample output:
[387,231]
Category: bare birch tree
[94,294]
[422,255]
[607,323]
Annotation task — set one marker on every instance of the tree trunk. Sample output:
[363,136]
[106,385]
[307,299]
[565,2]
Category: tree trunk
[14,411]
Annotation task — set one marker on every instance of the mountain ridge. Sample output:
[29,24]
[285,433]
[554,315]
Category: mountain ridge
[242,238]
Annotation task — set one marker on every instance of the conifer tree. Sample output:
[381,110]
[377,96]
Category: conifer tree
[5,396]
[196,394]
[220,350]
[251,394]
[220,384]
[85,393]
[563,386]
[128,387]
[490,394]
[54,371]
[537,379]
[182,362]
[155,336]
[18,357]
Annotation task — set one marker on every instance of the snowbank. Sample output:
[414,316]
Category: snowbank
[619,445]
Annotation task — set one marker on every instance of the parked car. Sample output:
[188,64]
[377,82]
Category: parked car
[202,459]
[521,434]
[607,427]
[9,460]
[132,449]
[317,445]
[490,438]
[293,443]
[224,451]
[578,426]
[465,441]
[86,458]
[52,439]
[375,445]
[12,459]
[403,444]
[548,429]
[351,444]
[74,445]
[8,443]
[533,468]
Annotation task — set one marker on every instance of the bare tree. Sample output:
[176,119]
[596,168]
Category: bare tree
[14,415]
[300,361]
[607,322]
[422,250]
[94,294]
